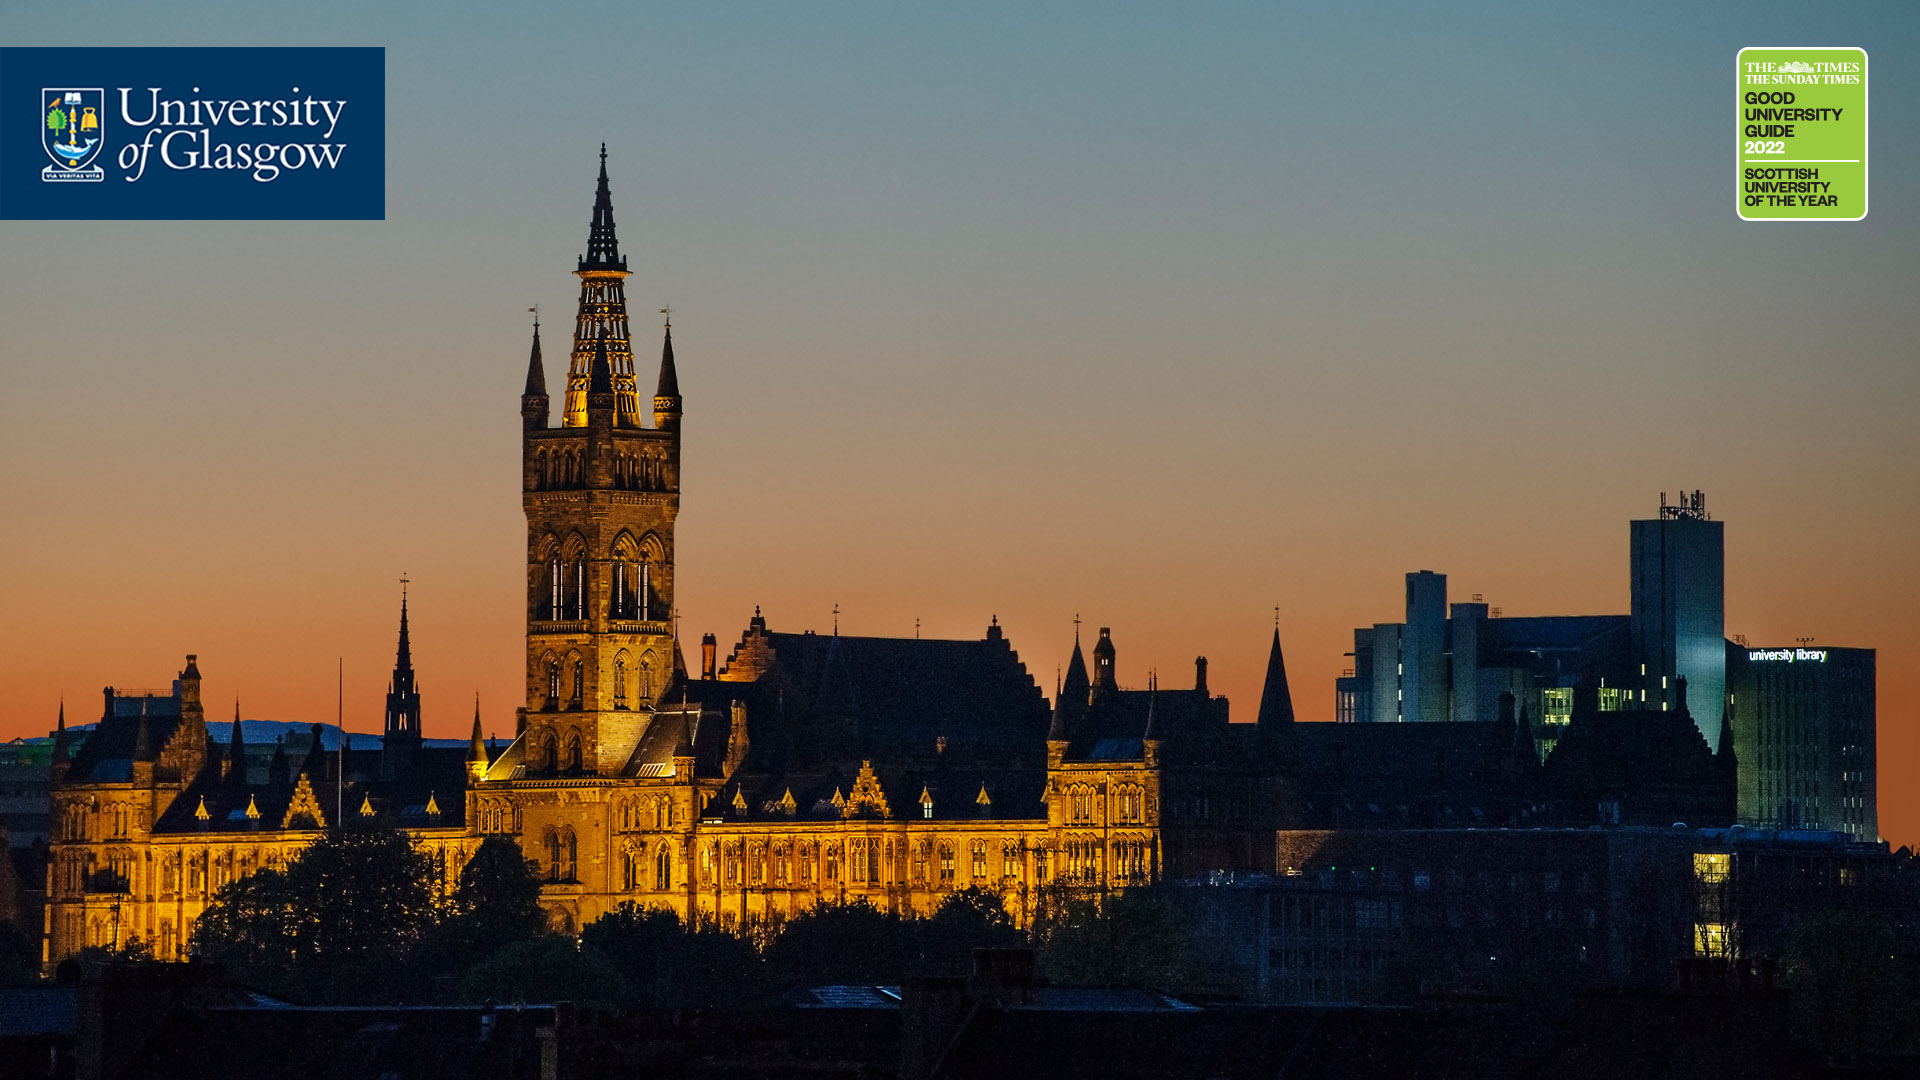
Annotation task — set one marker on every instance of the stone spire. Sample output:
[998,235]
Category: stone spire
[476,746]
[602,319]
[603,248]
[236,763]
[533,400]
[1070,704]
[1276,701]
[666,396]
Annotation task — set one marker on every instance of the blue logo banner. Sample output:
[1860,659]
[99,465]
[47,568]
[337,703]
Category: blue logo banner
[200,134]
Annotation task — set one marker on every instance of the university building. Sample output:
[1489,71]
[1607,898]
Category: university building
[807,767]
[803,767]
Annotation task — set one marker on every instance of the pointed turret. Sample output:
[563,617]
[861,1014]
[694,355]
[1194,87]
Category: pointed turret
[1070,705]
[476,746]
[533,400]
[60,734]
[666,396]
[1276,700]
[235,767]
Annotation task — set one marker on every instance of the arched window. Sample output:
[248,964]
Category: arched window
[572,853]
[663,867]
[573,751]
[946,863]
[553,683]
[579,683]
[549,753]
[556,587]
[554,853]
[644,585]
[577,597]
[620,681]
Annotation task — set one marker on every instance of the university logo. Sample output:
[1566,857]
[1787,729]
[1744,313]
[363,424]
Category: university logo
[73,128]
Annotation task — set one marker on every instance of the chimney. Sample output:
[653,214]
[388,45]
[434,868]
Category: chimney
[1200,675]
[708,652]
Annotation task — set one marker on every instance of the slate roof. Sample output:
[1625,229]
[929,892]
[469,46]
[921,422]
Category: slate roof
[107,755]
[846,698]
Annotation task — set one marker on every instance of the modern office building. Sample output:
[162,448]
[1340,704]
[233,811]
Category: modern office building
[1803,728]
[1679,604]
[1453,661]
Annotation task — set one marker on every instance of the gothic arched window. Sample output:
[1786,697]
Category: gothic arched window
[573,751]
[663,868]
[555,588]
[578,598]
[554,852]
[549,753]
[579,682]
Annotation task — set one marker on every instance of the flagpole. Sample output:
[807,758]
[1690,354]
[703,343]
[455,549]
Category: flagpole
[340,726]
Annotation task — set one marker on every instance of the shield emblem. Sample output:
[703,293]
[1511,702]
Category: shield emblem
[73,126]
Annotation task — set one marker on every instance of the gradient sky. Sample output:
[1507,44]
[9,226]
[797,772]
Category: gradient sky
[1160,314]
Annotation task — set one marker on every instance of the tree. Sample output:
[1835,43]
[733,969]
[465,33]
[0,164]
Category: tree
[501,885]
[970,919]
[344,917]
[1133,938]
[666,963]
[851,943]
[551,967]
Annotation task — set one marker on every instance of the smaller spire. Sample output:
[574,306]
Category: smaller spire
[237,747]
[669,387]
[476,746]
[60,735]
[536,368]
[1276,700]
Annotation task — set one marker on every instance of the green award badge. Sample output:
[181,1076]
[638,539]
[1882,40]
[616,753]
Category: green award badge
[1803,134]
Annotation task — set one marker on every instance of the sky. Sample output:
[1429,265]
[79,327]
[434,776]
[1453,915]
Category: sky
[1161,316]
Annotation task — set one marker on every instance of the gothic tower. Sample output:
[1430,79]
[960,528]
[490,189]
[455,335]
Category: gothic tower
[601,493]
[401,737]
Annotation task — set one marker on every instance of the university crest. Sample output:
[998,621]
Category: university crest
[72,129]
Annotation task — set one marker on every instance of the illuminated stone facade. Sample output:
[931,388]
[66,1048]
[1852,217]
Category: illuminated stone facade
[806,768]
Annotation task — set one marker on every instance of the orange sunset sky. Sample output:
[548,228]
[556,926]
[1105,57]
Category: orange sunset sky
[1159,320]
